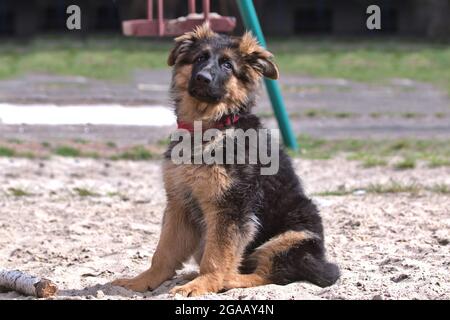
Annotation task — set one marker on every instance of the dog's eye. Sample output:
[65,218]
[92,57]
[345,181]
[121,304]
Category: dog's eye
[227,65]
[202,58]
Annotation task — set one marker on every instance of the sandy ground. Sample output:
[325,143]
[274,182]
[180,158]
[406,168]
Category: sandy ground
[389,246]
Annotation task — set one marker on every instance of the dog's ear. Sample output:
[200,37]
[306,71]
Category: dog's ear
[257,57]
[186,41]
[182,45]
[265,65]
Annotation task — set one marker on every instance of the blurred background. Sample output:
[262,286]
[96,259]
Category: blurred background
[421,18]
[340,81]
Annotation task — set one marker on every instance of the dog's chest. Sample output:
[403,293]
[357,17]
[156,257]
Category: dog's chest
[205,182]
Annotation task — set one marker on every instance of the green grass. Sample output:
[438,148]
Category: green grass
[83,192]
[365,60]
[333,193]
[97,57]
[7,152]
[91,154]
[163,142]
[320,113]
[80,141]
[408,163]
[314,148]
[315,113]
[405,115]
[111,144]
[136,153]
[370,153]
[440,188]
[436,161]
[344,114]
[412,115]
[67,151]
[81,148]
[15,141]
[391,187]
[375,115]
[113,194]
[26,154]
[17,192]
[115,57]
[119,195]
[373,161]
[311,113]
[375,152]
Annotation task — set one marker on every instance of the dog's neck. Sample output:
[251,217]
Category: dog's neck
[225,122]
[220,116]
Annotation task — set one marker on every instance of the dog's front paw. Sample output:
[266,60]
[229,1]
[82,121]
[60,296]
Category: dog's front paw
[189,290]
[197,287]
[134,284]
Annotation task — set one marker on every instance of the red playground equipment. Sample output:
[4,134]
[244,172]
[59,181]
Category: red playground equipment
[174,27]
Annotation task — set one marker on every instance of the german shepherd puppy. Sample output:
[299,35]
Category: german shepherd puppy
[243,228]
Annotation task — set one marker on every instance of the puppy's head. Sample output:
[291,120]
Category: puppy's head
[215,74]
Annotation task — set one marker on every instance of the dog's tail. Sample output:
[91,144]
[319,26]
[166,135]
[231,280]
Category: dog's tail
[317,271]
[305,262]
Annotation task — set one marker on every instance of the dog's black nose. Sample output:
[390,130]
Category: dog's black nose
[204,77]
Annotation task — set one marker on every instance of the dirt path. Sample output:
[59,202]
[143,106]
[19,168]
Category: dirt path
[389,246]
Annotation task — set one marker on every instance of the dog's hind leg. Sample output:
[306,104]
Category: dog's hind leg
[245,281]
[177,243]
[289,257]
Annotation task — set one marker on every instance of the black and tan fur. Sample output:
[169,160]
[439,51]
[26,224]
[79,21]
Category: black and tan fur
[244,229]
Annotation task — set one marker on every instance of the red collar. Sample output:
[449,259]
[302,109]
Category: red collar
[224,122]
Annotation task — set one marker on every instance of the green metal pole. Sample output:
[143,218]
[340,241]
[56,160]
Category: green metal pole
[251,22]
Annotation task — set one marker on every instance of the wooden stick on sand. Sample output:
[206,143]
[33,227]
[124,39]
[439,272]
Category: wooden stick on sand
[26,284]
